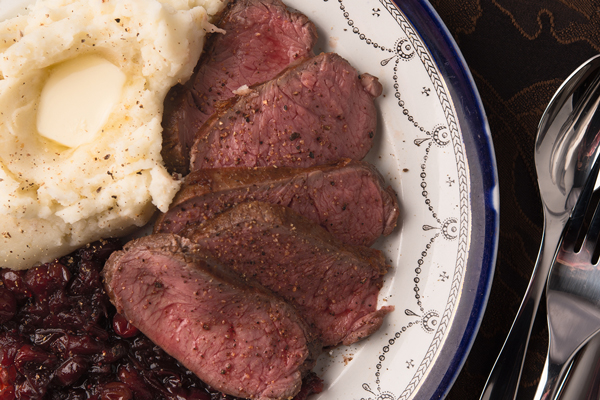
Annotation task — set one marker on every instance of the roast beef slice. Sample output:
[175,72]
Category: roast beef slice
[262,38]
[259,39]
[237,337]
[315,113]
[348,198]
[333,286]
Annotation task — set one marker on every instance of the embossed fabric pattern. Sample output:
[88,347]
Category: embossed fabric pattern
[519,52]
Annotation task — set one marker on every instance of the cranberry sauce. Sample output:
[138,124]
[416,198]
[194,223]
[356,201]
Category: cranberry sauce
[61,338]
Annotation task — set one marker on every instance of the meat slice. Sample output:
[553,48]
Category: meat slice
[348,198]
[237,337]
[332,285]
[261,39]
[315,113]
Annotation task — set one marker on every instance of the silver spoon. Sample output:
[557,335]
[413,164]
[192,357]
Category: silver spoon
[558,144]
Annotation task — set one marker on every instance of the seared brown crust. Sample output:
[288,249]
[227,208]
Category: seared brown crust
[181,120]
[348,198]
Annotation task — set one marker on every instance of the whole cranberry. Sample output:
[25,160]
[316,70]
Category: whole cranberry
[13,281]
[71,370]
[47,278]
[8,305]
[123,327]
[59,273]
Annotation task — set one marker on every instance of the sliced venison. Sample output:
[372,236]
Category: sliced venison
[348,198]
[333,286]
[261,39]
[235,336]
[315,113]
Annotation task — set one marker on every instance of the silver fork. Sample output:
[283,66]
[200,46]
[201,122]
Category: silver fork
[572,292]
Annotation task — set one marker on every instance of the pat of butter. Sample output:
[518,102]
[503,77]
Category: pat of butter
[77,99]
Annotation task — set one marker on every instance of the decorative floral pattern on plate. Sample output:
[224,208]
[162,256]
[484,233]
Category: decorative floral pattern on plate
[422,153]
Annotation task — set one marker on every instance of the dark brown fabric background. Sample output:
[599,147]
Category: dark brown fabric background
[519,52]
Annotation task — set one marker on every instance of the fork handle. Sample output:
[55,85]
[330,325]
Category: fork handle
[583,377]
[503,381]
[550,380]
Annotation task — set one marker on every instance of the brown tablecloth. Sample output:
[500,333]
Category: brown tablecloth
[519,52]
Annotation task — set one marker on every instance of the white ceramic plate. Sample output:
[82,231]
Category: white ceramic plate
[434,148]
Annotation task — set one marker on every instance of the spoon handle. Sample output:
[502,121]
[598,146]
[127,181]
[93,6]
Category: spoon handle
[503,381]
[550,379]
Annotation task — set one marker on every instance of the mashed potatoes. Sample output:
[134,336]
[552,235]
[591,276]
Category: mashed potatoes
[98,179]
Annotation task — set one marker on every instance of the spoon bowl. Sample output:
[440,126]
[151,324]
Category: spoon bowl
[567,139]
[562,143]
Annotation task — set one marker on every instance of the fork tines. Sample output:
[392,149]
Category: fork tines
[583,227]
